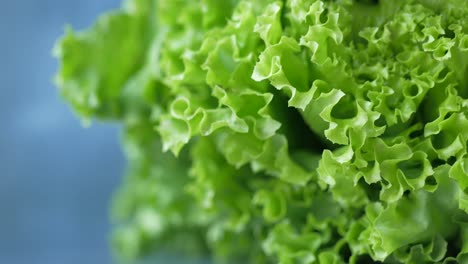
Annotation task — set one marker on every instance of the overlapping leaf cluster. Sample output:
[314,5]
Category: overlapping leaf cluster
[295,131]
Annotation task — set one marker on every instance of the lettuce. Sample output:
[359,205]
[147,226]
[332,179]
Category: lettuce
[296,131]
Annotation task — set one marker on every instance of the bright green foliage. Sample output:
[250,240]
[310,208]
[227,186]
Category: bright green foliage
[295,131]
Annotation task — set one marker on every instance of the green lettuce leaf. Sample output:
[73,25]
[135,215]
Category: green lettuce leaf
[295,131]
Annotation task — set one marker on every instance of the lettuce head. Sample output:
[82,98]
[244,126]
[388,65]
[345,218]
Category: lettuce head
[294,131]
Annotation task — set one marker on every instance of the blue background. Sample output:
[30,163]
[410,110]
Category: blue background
[56,177]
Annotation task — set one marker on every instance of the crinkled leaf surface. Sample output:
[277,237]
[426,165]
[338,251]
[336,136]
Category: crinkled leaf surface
[294,131]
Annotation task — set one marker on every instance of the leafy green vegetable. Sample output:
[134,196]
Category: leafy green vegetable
[295,131]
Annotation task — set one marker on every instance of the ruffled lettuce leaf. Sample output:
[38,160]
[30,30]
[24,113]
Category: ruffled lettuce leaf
[296,131]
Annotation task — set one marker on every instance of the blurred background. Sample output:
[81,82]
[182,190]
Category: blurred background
[56,177]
